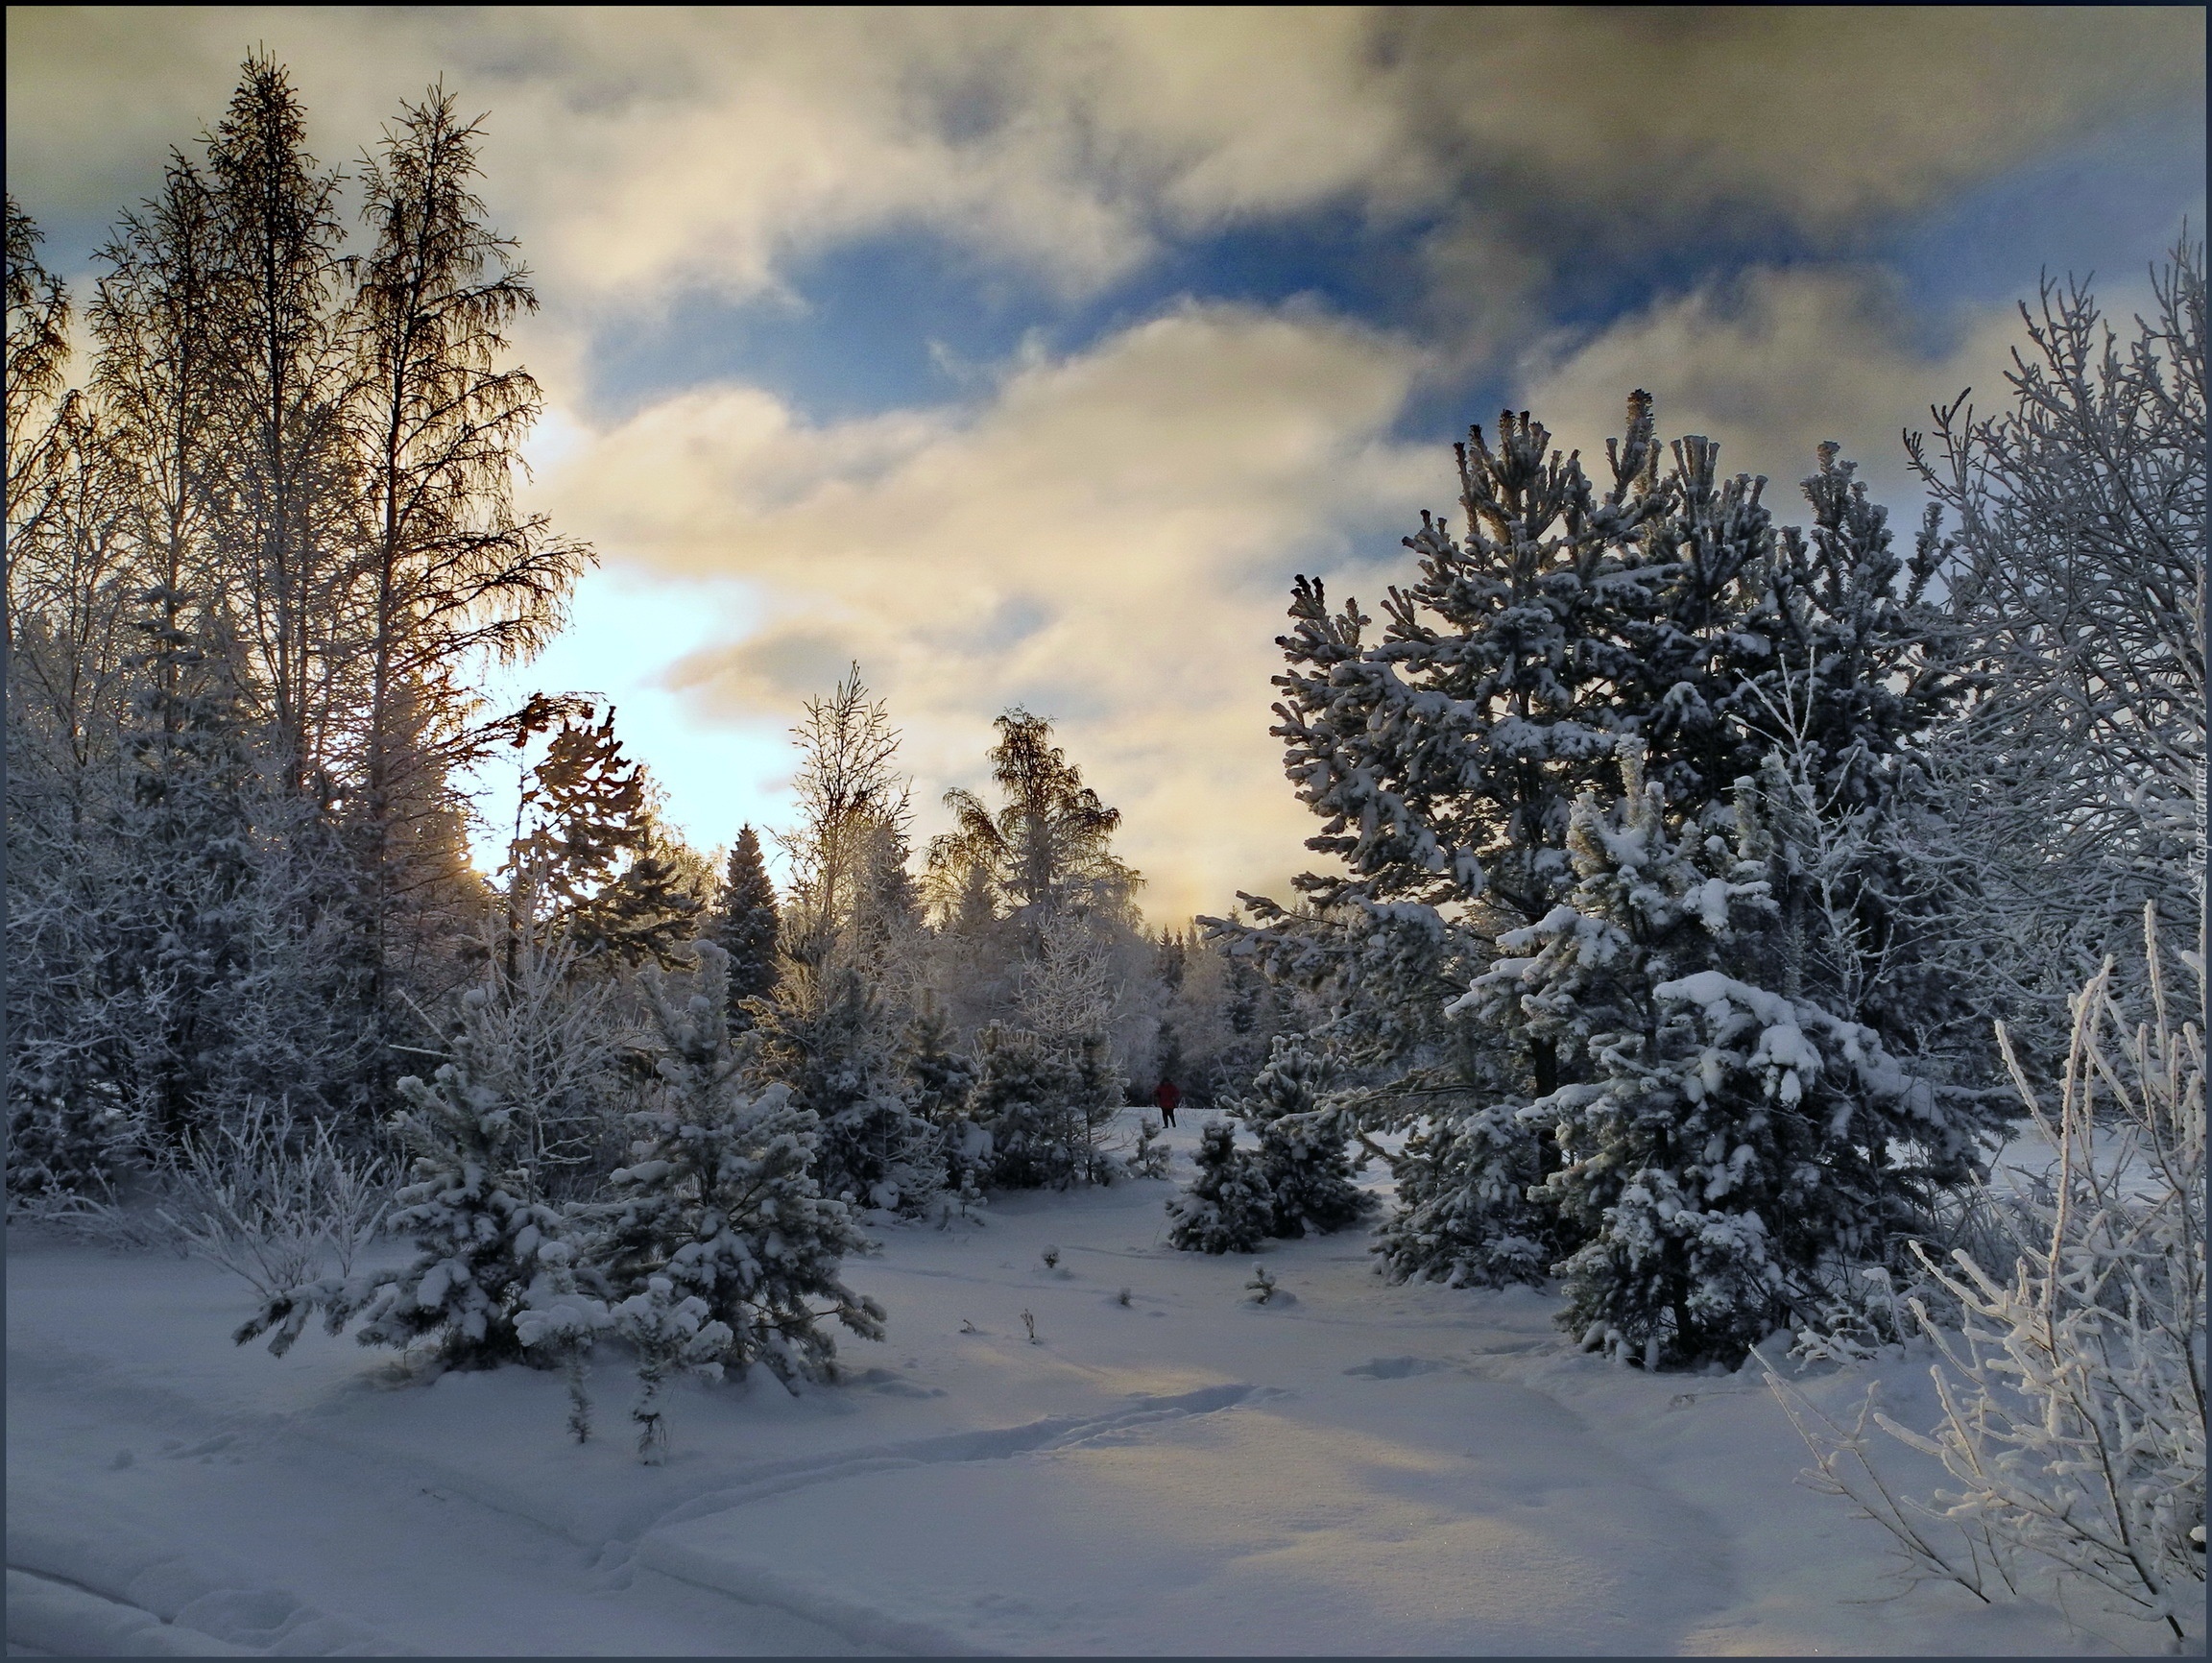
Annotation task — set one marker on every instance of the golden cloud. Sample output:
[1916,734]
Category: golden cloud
[1106,539]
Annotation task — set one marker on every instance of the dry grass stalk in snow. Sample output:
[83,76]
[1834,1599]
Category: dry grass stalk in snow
[2073,1391]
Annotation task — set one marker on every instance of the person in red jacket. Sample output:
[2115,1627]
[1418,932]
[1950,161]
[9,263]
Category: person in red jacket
[1164,1100]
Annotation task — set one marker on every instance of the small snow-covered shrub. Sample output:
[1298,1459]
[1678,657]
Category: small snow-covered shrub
[2073,1389]
[272,1209]
[672,1332]
[1149,1158]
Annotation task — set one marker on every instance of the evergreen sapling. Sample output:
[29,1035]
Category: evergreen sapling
[719,1206]
[1227,1208]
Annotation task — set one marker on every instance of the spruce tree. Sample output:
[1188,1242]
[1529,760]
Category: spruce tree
[744,926]
[1018,1102]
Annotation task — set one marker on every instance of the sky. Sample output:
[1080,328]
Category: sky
[1023,356]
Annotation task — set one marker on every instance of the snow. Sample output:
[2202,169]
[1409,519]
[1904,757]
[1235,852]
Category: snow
[1361,1469]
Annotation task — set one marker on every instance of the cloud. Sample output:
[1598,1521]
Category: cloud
[1105,539]
[644,152]
[1770,363]
[1103,535]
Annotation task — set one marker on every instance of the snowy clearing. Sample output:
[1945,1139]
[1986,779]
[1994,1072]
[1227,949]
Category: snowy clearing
[1351,1469]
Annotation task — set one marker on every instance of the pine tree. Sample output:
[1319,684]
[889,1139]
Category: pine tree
[1464,1216]
[940,1077]
[719,1204]
[744,926]
[1668,615]
[1726,1146]
[828,1039]
[477,1225]
[585,851]
[1043,1105]
[1017,1101]
[1302,1158]
[1227,1209]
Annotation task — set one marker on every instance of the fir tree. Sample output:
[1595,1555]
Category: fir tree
[744,926]
[1227,1208]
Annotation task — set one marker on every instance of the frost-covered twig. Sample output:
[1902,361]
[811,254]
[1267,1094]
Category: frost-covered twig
[2072,1389]
[272,1210]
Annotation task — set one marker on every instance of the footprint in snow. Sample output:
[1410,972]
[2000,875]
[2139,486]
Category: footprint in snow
[1396,1368]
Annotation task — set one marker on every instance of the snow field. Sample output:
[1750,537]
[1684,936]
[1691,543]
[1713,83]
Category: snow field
[1368,1470]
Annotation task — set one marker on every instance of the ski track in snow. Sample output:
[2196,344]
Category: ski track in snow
[1369,1470]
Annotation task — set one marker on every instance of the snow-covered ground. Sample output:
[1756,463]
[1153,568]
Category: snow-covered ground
[1351,1469]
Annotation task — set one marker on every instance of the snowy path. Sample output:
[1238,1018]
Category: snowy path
[1359,1469]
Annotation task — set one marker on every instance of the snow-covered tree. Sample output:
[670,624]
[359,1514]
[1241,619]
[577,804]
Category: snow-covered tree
[829,1038]
[1723,1144]
[830,1029]
[476,1221]
[1227,1208]
[1302,1156]
[940,1074]
[1463,1215]
[1667,614]
[719,1205]
[1042,1105]
[2075,779]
